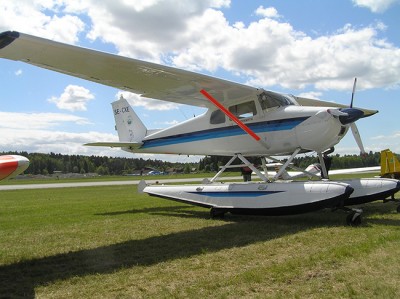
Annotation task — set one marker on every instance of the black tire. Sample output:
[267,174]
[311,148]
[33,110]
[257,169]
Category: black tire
[217,213]
[353,219]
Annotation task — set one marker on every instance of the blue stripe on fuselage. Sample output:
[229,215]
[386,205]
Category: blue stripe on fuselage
[235,194]
[259,127]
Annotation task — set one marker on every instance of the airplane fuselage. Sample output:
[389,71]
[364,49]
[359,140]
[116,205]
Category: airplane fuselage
[282,130]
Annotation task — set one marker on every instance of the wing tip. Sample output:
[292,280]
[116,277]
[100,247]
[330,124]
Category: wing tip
[7,37]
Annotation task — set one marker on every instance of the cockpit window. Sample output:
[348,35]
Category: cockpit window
[270,99]
[244,110]
[217,117]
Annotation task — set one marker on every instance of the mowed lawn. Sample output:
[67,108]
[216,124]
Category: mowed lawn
[108,242]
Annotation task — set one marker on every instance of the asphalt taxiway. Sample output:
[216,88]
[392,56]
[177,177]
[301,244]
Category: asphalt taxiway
[104,183]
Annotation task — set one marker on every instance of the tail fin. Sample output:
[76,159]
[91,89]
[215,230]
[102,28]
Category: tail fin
[390,166]
[128,125]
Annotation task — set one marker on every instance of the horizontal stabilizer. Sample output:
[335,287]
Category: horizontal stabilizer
[131,145]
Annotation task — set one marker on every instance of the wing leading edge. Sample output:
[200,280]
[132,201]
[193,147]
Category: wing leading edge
[147,79]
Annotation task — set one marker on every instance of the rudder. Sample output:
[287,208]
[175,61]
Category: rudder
[390,166]
[128,125]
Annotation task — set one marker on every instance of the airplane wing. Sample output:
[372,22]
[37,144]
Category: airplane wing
[150,80]
[355,170]
[316,171]
[296,174]
[147,79]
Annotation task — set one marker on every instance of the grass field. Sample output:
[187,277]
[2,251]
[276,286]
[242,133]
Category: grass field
[108,242]
[111,178]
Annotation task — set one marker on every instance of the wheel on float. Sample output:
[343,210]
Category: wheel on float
[353,219]
[217,213]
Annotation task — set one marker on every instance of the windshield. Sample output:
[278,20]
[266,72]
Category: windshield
[271,99]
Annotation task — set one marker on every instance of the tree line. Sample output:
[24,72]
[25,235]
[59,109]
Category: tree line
[46,164]
[50,163]
[212,163]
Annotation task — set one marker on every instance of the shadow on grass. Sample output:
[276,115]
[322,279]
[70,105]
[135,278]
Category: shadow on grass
[154,210]
[185,211]
[20,279]
[380,207]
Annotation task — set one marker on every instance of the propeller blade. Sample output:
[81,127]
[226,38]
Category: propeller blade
[352,94]
[357,137]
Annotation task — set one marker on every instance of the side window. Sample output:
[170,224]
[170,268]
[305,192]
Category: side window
[244,110]
[217,117]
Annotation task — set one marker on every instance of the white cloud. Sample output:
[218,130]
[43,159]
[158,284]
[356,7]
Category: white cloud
[311,95]
[18,72]
[37,132]
[386,143]
[37,121]
[147,31]
[375,143]
[377,6]
[269,52]
[269,12]
[391,137]
[168,123]
[74,98]
[327,62]
[63,28]
[195,35]
[45,141]
[150,104]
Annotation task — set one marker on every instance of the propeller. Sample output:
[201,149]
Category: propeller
[357,137]
[352,94]
[353,125]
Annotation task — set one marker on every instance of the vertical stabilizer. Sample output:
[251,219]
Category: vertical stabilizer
[390,166]
[128,125]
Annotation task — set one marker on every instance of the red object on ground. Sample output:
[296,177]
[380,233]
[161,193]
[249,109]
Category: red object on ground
[8,164]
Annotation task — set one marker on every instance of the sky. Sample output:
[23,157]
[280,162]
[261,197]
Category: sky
[303,47]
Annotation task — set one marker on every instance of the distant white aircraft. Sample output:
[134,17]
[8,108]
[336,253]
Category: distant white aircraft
[241,121]
[316,170]
[12,165]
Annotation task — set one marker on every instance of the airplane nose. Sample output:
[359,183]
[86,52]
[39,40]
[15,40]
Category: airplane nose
[353,115]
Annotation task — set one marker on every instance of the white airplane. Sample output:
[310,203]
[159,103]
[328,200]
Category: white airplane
[12,165]
[241,121]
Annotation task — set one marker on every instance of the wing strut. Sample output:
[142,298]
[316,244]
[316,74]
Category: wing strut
[234,118]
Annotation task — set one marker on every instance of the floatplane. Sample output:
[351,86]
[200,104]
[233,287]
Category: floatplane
[241,121]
